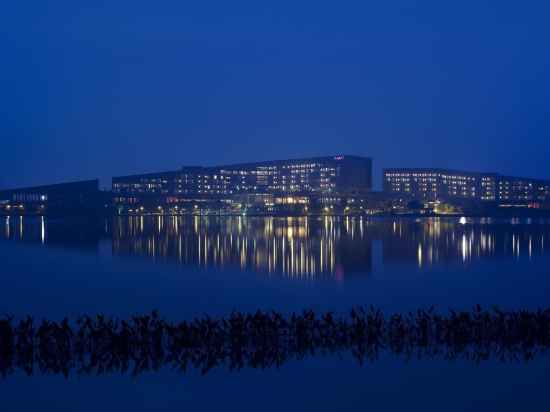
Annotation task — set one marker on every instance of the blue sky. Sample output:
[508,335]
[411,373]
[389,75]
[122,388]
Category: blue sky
[102,88]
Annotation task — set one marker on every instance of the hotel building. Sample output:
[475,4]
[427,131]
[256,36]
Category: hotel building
[293,181]
[432,185]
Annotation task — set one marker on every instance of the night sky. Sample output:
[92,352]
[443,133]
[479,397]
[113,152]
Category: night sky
[100,88]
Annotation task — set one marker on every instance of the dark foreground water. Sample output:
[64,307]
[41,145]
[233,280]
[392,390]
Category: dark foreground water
[186,267]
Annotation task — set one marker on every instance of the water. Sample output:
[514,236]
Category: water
[188,266]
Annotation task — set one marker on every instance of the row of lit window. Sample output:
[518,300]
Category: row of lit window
[30,197]
[409,174]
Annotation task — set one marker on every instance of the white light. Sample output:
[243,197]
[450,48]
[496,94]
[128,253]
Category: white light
[462,220]
[43,230]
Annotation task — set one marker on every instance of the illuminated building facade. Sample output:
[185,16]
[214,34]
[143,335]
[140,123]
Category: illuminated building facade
[275,182]
[519,190]
[432,185]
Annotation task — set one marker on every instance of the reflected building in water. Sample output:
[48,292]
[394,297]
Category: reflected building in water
[434,241]
[299,248]
[83,234]
[296,247]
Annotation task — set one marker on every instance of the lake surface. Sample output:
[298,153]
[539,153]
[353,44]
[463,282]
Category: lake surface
[189,266]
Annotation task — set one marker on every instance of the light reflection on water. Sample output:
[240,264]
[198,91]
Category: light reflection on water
[296,247]
[324,247]
[122,266]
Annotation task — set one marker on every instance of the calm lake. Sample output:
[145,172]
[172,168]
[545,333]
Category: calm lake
[190,266]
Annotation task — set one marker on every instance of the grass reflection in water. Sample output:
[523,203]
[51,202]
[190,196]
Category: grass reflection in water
[100,345]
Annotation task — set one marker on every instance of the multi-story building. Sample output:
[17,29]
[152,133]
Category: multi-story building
[294,178]
[439,184]
[431,185]
[144,188]
[523,190]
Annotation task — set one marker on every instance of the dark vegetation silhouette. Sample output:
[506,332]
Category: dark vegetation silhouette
[102,345]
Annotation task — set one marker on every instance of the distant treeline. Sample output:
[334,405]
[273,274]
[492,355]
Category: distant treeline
[101,345]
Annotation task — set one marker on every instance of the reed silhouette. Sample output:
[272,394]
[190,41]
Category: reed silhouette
[101,345]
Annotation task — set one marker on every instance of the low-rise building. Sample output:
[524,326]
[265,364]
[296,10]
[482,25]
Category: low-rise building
[67,199]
